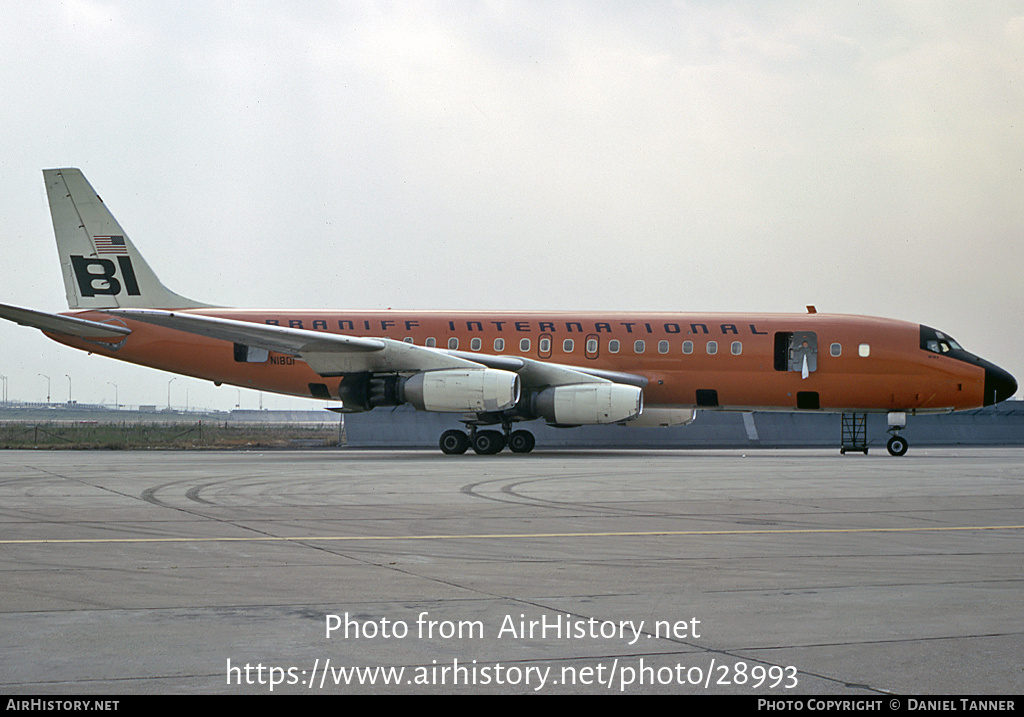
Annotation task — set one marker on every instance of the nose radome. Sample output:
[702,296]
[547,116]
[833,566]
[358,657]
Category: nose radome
[999,384]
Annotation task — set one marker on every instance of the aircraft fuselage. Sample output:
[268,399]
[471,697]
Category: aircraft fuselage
[708,361]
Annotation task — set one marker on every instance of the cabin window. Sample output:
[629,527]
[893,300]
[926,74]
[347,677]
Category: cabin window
[567,346]
[544,344]
[408,339]
[453,343]
[687,347]
[712,348]
[499,344]
[864,350]
[431,342]
[613,346]
[836,349]
[524,345]
[663,347]
[736,348]
[475,344]
[638,347]
[591,346]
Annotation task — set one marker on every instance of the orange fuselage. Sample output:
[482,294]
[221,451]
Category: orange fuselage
[862,363]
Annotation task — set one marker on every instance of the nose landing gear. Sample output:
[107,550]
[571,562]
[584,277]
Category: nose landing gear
[897,445]
[855,433]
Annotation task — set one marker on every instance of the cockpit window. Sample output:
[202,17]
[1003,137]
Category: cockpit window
[938,342]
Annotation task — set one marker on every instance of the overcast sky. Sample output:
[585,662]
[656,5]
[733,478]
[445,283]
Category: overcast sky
[867,158]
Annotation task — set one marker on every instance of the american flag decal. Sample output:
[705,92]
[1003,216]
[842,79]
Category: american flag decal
[110,244]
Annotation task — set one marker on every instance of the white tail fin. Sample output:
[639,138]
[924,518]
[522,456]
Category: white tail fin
[102,269]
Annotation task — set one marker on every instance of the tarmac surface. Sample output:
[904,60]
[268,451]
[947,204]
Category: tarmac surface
[767,573]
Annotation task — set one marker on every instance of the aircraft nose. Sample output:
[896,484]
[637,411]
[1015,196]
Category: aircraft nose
[999,384]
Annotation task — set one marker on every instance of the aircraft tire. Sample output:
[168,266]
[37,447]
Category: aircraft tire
[521,442]
[487,443]
[454,442]
[897,446]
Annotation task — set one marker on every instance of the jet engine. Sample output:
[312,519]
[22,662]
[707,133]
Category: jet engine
[462,390]
[589,403]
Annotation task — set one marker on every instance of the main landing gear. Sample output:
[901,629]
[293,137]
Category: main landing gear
[486,443]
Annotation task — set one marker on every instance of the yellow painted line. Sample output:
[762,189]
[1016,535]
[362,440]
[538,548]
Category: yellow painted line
[508,536]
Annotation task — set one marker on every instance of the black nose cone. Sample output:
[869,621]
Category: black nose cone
[999,385]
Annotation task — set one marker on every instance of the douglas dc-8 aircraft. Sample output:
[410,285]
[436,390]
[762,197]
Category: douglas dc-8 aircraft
[501,369]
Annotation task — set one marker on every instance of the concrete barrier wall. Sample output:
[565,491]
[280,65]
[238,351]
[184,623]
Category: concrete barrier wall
[993,426]
[1001,425]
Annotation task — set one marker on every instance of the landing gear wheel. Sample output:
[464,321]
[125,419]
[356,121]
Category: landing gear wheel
[454,442]
[521,442]
[897,446]
[487,443]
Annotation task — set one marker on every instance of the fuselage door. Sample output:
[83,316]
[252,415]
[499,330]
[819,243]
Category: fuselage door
[803,352]
[796,351]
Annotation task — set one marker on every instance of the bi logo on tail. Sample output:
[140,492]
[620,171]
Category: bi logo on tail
[99,276]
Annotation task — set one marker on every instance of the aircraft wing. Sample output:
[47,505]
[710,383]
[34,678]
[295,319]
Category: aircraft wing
[66,325]
[327,354]
[334,354]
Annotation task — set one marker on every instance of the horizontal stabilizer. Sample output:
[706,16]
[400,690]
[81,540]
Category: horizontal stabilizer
[66,325]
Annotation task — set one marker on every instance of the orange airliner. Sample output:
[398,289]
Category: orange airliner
[502,369]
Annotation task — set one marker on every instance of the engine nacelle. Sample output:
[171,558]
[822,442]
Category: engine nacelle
[589,403]
[462,390]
